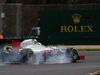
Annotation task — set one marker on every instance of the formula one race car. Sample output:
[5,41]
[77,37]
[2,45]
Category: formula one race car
[32,52]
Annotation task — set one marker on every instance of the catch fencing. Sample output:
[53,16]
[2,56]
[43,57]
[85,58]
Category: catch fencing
[17,20]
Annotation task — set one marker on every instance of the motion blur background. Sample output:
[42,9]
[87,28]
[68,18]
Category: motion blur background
[18,17]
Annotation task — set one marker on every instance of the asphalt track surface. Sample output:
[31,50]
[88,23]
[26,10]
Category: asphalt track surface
[84,67]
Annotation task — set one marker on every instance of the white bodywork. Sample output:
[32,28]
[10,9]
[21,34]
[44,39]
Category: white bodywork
[30,44]
[53,54]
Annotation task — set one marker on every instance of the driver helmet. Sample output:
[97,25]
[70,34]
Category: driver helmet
[39,43]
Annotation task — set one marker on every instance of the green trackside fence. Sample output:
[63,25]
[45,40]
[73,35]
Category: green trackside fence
[72,27]
[8,44]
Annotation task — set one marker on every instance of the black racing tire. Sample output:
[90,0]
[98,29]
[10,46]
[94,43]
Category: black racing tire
[73,54]
[27,56]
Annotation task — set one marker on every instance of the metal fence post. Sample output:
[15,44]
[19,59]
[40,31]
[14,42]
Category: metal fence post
[0,19]
[1,4]
[18,20]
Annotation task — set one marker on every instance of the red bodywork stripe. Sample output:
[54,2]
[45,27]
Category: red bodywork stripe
[15,46]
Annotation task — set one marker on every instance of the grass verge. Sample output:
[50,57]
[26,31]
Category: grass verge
[88,49]
[96,73]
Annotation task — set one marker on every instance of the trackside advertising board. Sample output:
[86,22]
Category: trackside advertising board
[66,26]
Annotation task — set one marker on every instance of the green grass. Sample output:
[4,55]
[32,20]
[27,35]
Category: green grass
[88,49]
[97,73]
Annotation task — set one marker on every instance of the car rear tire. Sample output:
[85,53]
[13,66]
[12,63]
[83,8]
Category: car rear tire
[73,54]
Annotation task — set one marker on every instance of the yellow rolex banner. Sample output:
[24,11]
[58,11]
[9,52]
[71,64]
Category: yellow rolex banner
[70,24]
